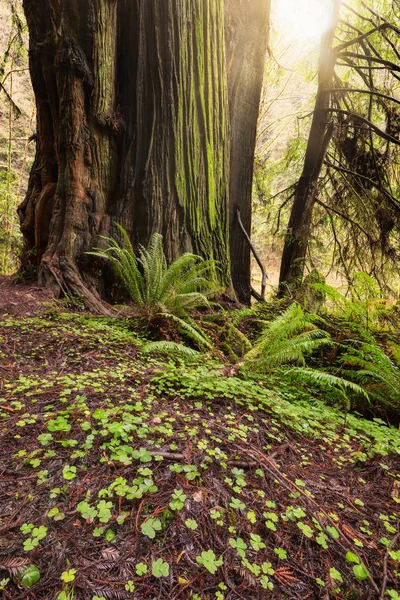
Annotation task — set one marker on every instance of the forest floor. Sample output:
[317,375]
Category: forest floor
[124,476]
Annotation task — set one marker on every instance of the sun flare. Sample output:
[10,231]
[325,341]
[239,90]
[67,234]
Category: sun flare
[302,20]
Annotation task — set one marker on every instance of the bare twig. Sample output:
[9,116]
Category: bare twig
[385,562]
[256,256]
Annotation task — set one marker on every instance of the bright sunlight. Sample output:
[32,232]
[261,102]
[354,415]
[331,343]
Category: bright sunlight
[302,19]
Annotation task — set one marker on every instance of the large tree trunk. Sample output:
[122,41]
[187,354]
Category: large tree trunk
[132,127]
[298,232]
[246,30]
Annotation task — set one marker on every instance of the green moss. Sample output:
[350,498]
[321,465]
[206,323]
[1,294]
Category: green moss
[199,127]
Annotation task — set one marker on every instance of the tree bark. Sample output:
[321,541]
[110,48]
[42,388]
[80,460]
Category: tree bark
[298,232]
[132,127]
[246,32]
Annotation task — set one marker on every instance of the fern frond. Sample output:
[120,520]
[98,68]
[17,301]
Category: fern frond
[287,339]
[191,330]
[326,380]
[159,289]
[168,348]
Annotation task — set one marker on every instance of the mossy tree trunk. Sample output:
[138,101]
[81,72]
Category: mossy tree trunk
[246,31]
[132,128]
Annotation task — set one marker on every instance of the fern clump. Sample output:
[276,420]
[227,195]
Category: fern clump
[370,367]
[284,347]
[288,339]
[159,290]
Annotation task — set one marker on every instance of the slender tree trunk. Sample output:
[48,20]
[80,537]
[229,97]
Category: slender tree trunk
[132,127]
[246,30]
[298,233]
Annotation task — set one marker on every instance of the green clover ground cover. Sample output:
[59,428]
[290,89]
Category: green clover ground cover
[130,477]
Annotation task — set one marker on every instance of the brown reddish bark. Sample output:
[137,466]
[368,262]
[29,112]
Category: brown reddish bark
[246,31]
[133,128]
[74,173]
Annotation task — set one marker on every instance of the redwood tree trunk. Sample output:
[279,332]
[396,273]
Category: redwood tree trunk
[132,127]
[298,232]
[246,30]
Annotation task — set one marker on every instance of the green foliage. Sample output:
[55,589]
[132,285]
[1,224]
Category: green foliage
[208,559]
[370,367]
[288,339]
[160,568]
[178,500]
[30,576]
[163,291]
[150,527]
[68,575]
[169,349]
[362,372]
[130,415]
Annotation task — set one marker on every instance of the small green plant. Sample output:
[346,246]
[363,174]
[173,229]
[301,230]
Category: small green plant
[30,576]
[130,586]
[161,291]
[359,570]
[335,575]
[37,534]
[256,542]
[141,569]
[239,545]
[150,527]
[281,553]
[68,575]
[178,500]
[69,472]
[191,524]
[160,568]
[208,559]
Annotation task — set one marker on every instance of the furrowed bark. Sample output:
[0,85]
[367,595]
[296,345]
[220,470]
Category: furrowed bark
[72,63]
[132,127]
[246,32]
[174,164]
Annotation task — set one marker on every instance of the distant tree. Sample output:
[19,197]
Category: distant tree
[298,232]
[350,161]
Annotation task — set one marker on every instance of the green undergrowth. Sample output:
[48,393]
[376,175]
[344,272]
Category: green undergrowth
[130,476]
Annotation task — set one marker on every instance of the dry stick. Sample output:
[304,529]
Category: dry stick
[361,91]
[374,128]
[254,251]
[385,562]
[359,39]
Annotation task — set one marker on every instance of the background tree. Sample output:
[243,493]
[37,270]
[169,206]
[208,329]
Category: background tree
[16,126]
[246,29]
[358,160]
[296,242]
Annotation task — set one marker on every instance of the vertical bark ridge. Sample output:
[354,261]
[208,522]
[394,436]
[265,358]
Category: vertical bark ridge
[133,127]
[180,189]
[246,30]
